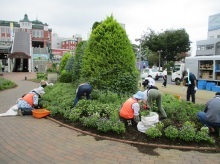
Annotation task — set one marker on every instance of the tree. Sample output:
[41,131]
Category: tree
[78,60]
[109,61]
[69,64]
[152,59]
[63,61]
[95,25]
[174,43]
[135,49]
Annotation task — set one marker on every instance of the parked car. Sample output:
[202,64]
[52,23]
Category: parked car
[153,72]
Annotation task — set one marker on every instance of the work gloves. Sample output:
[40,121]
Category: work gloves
[195,88]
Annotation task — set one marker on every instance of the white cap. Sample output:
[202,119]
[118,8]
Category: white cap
[39,90]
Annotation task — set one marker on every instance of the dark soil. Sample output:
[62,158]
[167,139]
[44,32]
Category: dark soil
[146,144]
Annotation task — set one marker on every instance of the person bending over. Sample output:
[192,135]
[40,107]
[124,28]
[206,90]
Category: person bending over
[154,95]
[84,89]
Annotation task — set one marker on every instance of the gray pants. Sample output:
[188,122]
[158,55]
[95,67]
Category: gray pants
[156,95]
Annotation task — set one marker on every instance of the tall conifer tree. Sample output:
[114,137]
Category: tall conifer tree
[109,62]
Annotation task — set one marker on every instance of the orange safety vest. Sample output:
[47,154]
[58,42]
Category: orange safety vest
[126,110]
[29,98]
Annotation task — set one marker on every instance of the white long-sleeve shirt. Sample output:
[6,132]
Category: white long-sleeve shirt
[136,108]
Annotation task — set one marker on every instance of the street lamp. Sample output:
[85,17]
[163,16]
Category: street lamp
[139,54]
[159,57]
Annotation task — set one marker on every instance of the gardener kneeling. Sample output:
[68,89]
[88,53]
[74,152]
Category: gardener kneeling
[29,101]
[210,117]
[129,111]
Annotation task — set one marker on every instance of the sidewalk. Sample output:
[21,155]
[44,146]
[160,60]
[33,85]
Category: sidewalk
[202,96]
[25,140]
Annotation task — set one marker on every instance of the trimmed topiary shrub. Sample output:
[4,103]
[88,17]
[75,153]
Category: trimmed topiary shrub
[63,61]
[65,77]
[69,64]
[108,62]
[153,132]
[187,131]
[171,132]
[6,84]
[78,61]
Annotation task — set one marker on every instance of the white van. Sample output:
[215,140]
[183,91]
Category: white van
[151,71]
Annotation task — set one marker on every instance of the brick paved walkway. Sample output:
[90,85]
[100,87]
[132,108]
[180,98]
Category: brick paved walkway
[26,140]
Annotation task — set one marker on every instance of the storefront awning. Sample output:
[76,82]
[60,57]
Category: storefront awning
[19,55]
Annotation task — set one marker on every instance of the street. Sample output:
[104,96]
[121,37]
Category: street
[168,80]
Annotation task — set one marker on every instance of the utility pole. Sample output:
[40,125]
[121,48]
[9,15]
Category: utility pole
[160,51]
[140,55]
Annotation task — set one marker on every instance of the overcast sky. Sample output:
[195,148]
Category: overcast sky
[69,17]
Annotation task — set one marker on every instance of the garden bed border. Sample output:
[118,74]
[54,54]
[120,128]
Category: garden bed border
[137,143]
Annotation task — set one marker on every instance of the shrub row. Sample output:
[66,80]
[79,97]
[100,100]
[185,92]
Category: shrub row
[102,113]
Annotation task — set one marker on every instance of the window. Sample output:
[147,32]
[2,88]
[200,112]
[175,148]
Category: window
[146,71]
[176,68]
[201,47]
[154,70]
[210,46]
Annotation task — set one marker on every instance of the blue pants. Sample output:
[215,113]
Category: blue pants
[202,118]
[27,111]
[83,90]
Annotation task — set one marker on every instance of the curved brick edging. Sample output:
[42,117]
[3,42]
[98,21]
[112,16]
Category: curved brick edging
[136,143]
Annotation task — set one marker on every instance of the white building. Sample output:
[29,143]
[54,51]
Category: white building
[210,46]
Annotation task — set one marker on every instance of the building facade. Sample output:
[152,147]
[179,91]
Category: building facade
[61,45]
[210,46]
[21,38]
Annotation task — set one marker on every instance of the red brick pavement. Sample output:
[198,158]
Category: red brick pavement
[30,140]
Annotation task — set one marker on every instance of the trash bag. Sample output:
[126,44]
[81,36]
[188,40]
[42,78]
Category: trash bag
[147,121]
[151,119]
[11,112]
